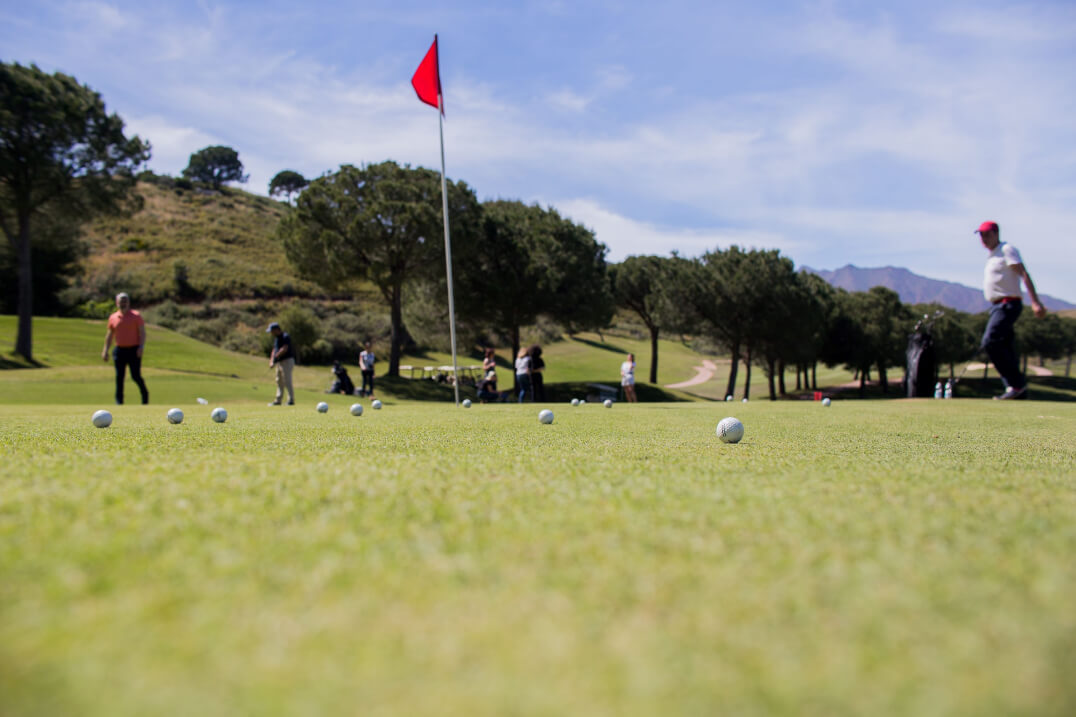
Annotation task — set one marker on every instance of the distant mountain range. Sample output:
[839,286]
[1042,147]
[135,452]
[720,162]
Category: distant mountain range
[915,289]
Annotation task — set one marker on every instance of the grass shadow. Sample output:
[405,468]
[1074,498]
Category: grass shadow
[15,361]
[604,346]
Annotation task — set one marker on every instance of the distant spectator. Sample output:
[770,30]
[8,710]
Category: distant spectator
[366,365]
[283,359]
[627,378]
[537,366]
[128,330]
[341,381]
[489,362]
[487,388]
[523,374]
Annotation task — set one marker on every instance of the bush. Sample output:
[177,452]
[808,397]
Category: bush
[301,324]
[95,309]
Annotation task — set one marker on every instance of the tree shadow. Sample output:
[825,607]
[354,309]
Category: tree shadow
[600,345]
[14,361]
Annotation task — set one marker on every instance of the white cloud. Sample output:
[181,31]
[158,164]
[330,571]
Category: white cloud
[811,168]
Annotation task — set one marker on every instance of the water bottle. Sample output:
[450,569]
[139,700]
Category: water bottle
[948,389]
[938,390]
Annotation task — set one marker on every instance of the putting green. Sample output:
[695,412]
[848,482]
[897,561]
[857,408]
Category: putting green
[874,558]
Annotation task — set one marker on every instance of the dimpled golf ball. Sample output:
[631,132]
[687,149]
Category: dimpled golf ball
[356,409]
[174,415]
[730,430]
[575,401]
[466,403]
[545,416]
[376,405]
[826,401]
[102,419]
[323,407]
[219,415]
[608,403]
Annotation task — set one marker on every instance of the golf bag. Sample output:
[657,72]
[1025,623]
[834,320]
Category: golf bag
[922,367]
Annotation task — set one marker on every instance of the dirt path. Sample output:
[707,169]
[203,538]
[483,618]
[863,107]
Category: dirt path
[702,374]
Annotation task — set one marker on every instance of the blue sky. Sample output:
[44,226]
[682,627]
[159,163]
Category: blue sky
[838,132]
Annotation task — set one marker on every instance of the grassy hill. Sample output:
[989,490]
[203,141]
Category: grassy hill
[190,244]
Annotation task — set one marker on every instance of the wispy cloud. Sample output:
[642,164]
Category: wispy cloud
[836,136]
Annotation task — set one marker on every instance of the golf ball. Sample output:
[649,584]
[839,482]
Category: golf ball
[175,415]
[356,409]
[730,430]
[219,415]
[545,416]
[323,407]
[376,405]
[826,401]
[582,402]
[102,419]
[728,397]
[608,403]
[744,400]
[466,403]
[575,401]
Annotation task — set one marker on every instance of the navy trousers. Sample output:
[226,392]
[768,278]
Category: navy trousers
[999,342]
[125,356]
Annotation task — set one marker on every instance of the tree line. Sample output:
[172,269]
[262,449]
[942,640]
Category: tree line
[64,159]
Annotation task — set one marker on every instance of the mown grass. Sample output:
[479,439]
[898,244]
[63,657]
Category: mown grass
[871,558]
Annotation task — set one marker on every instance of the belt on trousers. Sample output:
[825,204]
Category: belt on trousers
[1006,300]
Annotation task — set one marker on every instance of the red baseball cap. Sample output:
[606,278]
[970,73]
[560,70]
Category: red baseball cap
[987,226]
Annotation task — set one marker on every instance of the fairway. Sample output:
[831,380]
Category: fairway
[903,557]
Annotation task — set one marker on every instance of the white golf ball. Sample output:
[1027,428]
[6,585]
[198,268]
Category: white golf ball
[356,409]
[730,430]
[545,416]
[102,419]
[323,407]
[219,415]
[575,401]
[608,403]
[728,397]
[744,400]
[582,402]
[466,403]
[376,405]
[175,415]
[826,401]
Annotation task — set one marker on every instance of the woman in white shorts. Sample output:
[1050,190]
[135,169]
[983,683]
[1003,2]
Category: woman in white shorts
[627,378]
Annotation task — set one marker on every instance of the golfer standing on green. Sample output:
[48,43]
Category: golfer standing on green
[1001,287]
[283,358]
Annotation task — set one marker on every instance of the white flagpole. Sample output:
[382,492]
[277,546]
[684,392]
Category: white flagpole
[448,255]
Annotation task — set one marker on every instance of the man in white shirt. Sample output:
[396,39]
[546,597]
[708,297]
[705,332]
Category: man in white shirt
[1001,287]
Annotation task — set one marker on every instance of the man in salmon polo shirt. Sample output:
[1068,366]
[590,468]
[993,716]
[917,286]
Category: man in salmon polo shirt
[128,330]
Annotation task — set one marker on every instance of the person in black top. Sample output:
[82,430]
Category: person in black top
[537,366]
[283,359]
[341,381]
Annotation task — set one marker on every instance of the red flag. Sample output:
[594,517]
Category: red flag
[427,78]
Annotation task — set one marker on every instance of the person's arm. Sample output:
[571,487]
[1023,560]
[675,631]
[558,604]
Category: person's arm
[1036,306]
[141,338]
[108,343]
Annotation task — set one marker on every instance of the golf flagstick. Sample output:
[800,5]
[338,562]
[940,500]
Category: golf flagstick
[427,84]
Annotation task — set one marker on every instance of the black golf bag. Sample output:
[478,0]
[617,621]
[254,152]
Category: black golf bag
[921,372]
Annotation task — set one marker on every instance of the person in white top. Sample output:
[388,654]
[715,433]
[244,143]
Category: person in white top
[523,374]
[627,378]
[366,366]
[1001,287]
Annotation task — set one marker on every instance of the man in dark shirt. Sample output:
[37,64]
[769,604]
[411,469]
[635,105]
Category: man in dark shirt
[283,358]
